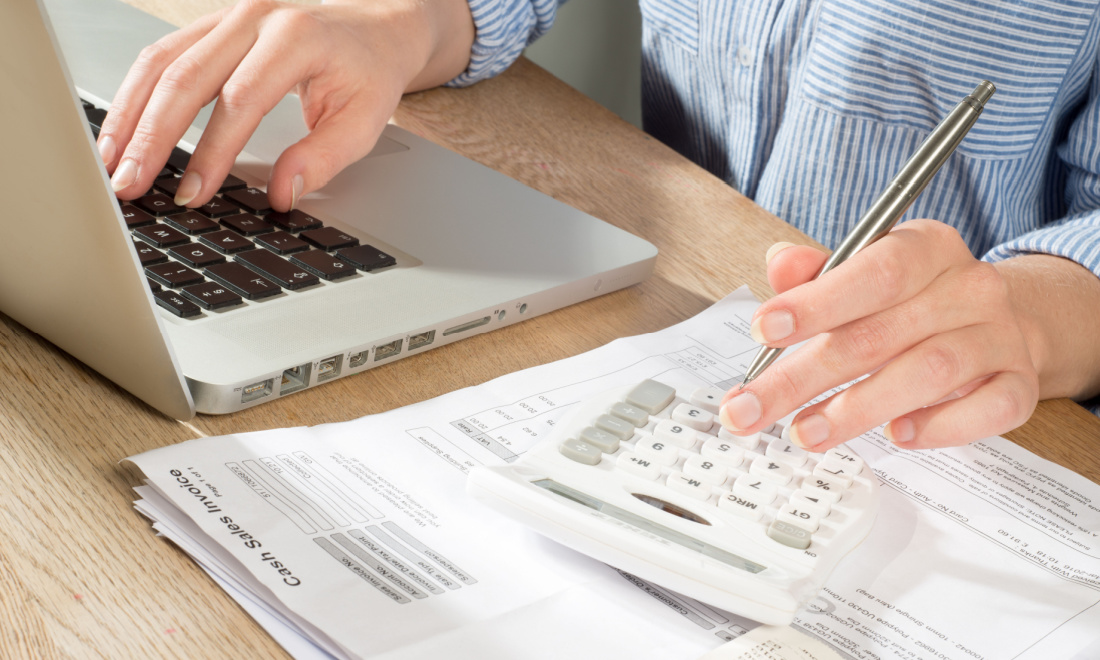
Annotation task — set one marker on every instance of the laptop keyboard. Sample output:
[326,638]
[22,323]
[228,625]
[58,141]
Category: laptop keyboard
[233,248]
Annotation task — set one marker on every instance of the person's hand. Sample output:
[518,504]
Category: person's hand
[349,63]
[955,346]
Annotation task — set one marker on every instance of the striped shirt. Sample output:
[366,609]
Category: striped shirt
[809,107]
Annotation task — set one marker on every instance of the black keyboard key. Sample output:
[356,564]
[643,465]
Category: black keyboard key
[153,286]
[211,295]
[173,275]
[243,281]
[323,264]
[161,235]
[247,225]
[218,207]
[149,255]
[176,304]
[196,255]
[167,184]
[95,116]
[253,200]
[328,238]
[366,257]
[192,223]
[158,204]
[295,221]
[231,183]
[281,242]
[135,217]
[227,242]
[177,162]
[285,274]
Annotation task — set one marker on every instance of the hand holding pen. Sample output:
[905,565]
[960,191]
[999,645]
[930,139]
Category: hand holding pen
[937,328]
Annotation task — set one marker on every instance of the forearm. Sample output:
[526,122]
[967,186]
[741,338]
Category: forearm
[1058,304]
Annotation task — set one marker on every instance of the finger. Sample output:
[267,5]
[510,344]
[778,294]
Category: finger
[337,141]
[276,63]
[999,405]
[919,377]
[186,85]
[791,265]
[887,272]
[136,88]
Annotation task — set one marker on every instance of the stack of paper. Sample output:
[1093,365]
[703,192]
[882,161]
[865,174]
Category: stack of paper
[358,540]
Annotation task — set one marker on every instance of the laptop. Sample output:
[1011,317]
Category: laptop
[452,248]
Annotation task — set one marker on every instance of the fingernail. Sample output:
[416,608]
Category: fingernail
[810,431]
[740,412]
[107,149]
[297,185]
[900,431]
[189,187]
[125,175]
[772,326]
[776,249]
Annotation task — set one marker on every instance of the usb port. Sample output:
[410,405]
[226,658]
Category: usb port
[421,339]
[256,390]
[329,368]
[357,359]
[387,350]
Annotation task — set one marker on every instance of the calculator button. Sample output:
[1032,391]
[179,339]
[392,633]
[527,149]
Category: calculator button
[580,451]
[723,452]
[708,398]
[840,473]
[639,465]
[816,505]
[747,442]
[695,417]
[602,440]
[755,489]
[688,485]
[615,426]
[651,396]
[787,452]
[706,470]
[741,506]
[632,414]
[799,517]
[677,434]
[842,456]
[773,471]
[658,450]
[820,486]
[789,535]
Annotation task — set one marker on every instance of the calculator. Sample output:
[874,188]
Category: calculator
[645,479]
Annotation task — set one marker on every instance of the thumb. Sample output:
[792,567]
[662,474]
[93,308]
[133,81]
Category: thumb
[790,265]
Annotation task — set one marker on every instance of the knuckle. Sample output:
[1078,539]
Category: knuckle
[256,8]
[155,56]
[943,366]
[294,21]
[182,75]
[238,95]
[890,276]
[867,337]
[1011,406]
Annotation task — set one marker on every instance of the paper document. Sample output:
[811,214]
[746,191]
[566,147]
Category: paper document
[358,539]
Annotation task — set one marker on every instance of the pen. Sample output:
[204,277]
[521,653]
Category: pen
[898,196]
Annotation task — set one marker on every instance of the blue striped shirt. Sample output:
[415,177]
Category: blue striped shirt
[809,107]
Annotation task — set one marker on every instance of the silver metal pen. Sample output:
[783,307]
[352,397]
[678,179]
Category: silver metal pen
[899,195]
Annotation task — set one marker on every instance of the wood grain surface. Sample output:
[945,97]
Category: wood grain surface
[82,575]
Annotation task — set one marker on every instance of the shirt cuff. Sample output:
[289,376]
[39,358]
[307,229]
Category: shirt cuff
[504,29]
[1076,238]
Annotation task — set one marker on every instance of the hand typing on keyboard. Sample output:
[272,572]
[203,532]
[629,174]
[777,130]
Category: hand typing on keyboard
[646,480]
[349,62]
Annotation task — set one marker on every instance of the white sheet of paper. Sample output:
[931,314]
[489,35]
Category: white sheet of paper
[360,537]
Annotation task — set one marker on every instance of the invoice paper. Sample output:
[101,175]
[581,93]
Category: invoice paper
[358,539]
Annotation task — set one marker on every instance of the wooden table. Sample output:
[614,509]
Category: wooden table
[82,575]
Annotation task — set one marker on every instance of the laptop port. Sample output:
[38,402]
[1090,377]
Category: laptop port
[421,339]
[387,350]
[329,368]
[256,390]
[357,359]
[295,378]
[470,325]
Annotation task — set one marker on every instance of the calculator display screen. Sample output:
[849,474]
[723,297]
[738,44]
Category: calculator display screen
[646,525]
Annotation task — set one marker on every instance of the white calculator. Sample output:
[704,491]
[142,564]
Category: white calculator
[645,479]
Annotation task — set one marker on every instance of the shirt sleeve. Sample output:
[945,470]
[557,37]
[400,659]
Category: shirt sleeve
[1076,236]
[504,28]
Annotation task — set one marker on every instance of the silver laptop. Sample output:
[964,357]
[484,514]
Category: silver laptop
[452,248]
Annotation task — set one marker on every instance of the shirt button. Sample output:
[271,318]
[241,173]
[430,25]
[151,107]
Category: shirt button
[744,56]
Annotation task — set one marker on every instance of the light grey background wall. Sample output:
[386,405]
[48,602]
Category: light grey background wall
[595,46]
